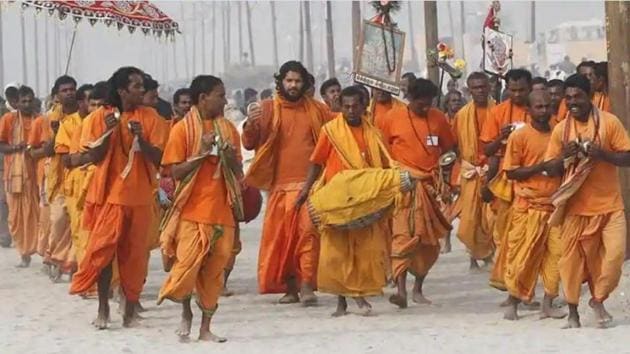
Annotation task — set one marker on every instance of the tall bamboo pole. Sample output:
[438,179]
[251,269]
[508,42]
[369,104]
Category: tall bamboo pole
[415,61]
[274,33]
[1,51]
[330,43]
[36,54]
[309,36]
[617,29]
[356,30]
[252,55]
[23,38]
[431,34]
[240,32]
[301,7]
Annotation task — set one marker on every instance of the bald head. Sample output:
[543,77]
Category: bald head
[540,106]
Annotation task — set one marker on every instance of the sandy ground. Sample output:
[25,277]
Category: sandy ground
[39,317]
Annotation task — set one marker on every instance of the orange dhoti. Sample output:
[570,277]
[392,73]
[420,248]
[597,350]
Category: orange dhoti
[418,225]
[43,233]
[23,218]
[284,254]
[475,229]
[201,254]
[352,262]
[236,249]
[116,230]
[60,240]
[593,251]
[533,250]
[500,234]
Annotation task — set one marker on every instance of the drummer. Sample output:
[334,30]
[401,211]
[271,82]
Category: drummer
[417,135]
[351,262]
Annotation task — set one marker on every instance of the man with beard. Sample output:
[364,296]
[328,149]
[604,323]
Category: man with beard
[283,131]
[330,91]
[593,223]
[20,176]
[181,104]
[502,121]
[351,262]
[475,226]
[417,136]
[125,141]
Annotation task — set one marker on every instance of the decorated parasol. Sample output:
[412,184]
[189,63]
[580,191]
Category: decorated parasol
[132,15]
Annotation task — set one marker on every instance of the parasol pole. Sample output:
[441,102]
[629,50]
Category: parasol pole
[74,37]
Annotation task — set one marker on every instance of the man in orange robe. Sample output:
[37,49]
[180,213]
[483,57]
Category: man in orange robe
[382,102]
[20,176]
[417,136]
[601,100]
[125,143]
[41,144]
[351,262]
[198,232]
[60,244]
[475,226]
[594,224]
[283,133]
[67,142]
[556,92]
[330,91]
[534,245]
[597,75]
[502,121]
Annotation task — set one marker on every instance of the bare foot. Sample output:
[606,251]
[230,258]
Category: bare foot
[552,313]
[342,307]
[289,299]
[139,308]
[55,274]
[488,264]
[184,327]
[131,318]
[308,296]
[474,267]
[507,302]
[573,322]
[602,316]
[398,300]
[447,246]
[226,292]
[510,313]
[210,337]
[25,262]
[419,298]
[45,269]
[365,309]
[102,319]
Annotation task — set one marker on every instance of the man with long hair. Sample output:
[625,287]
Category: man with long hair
[283,132]
[125,140]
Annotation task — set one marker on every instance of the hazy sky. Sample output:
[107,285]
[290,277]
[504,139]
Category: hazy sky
[100,50]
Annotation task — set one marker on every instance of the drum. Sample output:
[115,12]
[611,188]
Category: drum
[354,199]
[252,203]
